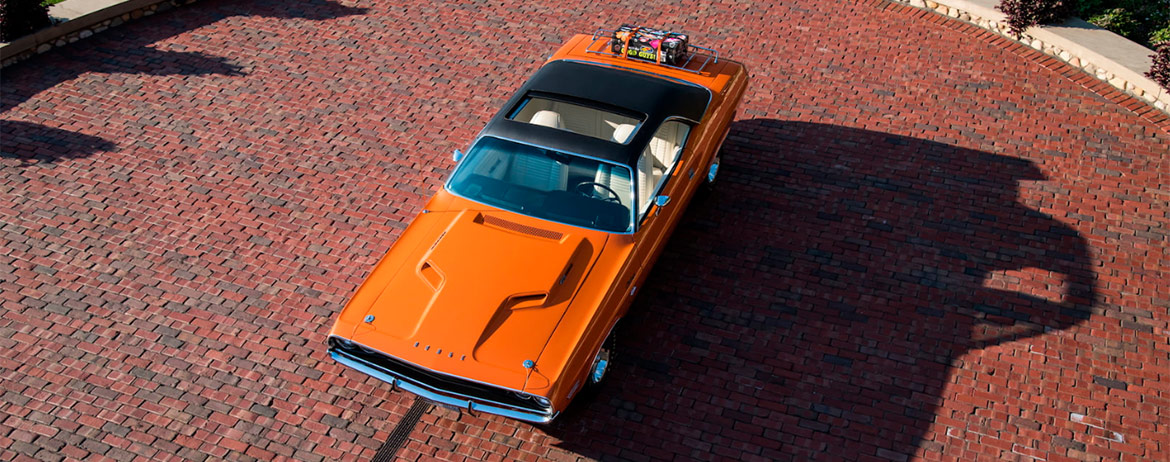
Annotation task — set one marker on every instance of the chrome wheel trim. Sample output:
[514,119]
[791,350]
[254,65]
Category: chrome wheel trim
[604,359]
[600,365]
[712,171]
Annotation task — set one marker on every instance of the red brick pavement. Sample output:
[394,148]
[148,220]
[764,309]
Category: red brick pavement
[927,243]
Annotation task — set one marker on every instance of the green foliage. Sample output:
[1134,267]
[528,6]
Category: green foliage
[1088,8]
[1160,35]
[1118,20]
[1144,21]
[21,17]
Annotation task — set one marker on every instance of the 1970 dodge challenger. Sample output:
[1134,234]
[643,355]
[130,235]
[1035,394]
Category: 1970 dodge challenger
[502,294]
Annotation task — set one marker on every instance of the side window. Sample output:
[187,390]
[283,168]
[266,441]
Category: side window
[658,161]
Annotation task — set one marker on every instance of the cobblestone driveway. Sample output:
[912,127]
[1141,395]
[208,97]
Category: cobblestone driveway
[924,244]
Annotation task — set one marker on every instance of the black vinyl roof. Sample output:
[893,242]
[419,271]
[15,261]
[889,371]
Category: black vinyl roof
[654,98]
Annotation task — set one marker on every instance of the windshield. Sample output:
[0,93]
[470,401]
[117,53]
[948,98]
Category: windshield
[545,184]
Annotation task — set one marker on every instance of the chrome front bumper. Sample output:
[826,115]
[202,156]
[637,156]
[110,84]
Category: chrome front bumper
[438,395]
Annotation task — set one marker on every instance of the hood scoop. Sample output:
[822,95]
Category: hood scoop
[500,223]
[488,288]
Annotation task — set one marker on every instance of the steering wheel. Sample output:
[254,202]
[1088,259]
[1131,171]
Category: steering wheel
[614,197]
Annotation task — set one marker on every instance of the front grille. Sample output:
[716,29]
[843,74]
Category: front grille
[439,383]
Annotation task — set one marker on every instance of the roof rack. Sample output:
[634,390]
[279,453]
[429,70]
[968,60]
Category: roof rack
[605,35]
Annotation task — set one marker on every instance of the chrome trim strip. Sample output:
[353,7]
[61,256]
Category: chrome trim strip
[435,395]
[369,349]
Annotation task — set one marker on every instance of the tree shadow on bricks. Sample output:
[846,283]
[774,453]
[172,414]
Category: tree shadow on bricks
[812,306]
[31,143]
[133,49]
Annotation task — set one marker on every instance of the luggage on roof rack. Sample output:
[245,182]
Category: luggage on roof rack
[662,47]
[665,48]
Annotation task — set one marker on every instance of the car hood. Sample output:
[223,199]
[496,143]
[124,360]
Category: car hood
[482,297]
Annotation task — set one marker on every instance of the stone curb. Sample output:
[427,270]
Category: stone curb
[1096,51]
[78,19]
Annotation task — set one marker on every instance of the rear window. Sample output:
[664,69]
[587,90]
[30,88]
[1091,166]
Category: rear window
[576,118]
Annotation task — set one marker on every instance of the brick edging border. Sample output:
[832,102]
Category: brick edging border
[86,24]
[1098,79]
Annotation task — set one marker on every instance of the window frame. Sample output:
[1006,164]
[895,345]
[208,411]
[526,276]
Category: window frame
[642,215]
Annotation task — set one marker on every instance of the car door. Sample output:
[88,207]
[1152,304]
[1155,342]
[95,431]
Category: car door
[661,172]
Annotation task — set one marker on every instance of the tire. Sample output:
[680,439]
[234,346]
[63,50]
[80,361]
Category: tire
[603,361]
[712,171]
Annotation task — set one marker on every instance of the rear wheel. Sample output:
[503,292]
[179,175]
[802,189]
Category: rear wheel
[706,188]
[713,170]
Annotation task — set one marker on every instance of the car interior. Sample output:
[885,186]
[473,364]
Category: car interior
[546,184]
[569,188]
[654,165]
[576,118]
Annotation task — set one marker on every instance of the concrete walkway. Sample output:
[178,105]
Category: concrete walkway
[79,19]
[927,243]
[1103,54]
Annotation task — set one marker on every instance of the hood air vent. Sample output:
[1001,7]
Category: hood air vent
[518,228]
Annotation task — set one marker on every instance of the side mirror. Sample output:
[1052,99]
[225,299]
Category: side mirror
[458,156]
[661,202]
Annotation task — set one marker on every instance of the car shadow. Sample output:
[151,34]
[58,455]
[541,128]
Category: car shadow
[131,49]
[812,305]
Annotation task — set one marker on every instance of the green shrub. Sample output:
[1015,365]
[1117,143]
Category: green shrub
[21,17]
[1160,35]
[1120,21]
[1143,21]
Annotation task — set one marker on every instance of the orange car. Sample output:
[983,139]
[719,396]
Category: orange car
[502,295]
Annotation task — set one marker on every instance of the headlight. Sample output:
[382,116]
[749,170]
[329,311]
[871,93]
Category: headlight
[537,399]
[341,343]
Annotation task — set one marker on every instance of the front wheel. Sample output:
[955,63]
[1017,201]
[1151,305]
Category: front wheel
[604,359]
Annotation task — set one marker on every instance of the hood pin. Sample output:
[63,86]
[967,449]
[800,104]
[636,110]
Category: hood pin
[529,364]
[369,318]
